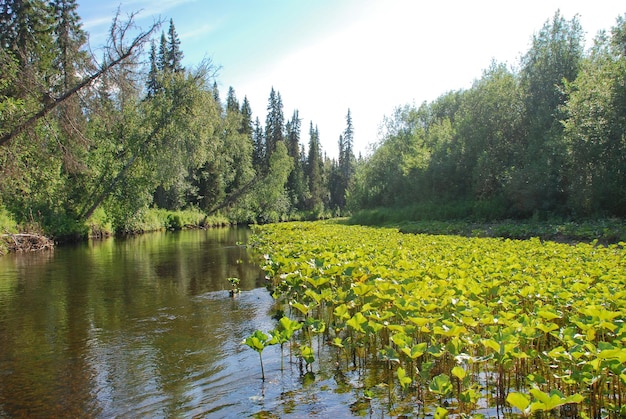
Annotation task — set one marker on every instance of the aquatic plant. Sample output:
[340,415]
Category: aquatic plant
[258,341]
[283,334]
[462,318]
[234,283]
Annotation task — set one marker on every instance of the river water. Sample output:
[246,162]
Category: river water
[145,327]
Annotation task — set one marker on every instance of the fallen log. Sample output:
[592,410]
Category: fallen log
[25,242]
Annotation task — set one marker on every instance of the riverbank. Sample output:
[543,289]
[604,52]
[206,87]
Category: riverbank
[603,230]
[33,237]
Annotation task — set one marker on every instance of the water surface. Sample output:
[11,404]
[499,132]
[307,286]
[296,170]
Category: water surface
[134,327]
[145,327]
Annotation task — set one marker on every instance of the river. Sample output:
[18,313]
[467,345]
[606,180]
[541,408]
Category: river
[145,327]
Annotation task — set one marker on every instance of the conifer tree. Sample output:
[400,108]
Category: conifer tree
[232,104]
[246,118]
[152,83]
[346,164]
[70,39]
[314,171]
[174,57]
[216,94]
[296,186]
[274,123]
[259,152]
[162,63]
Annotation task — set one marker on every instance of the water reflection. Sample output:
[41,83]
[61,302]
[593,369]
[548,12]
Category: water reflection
[134,327]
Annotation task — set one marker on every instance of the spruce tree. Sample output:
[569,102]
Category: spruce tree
[246,118]
[174,56]
[346,164]
[152,84]
[70,38]
[162,63]
[26,33]
[296,186]
[314,171]
[232,104]
[259,161]
[274,123]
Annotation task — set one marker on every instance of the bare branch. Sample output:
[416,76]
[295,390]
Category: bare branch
[117,54]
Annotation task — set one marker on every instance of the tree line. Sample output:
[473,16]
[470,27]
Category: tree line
[544,139]
[86,137]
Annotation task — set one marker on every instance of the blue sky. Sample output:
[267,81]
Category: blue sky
[325,56]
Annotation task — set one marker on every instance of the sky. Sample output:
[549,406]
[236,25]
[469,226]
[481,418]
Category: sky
[369,56]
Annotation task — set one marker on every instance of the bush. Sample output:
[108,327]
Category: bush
[99,224]
[7,222]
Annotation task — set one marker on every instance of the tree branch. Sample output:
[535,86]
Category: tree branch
[118,32]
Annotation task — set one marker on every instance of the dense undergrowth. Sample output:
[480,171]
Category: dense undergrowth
[442,220]
[455,325]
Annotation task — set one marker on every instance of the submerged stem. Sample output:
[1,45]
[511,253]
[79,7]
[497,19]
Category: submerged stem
[262,370]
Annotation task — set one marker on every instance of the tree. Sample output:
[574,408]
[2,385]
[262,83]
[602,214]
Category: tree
[164,139]
[553,60]
[490,123]
[118,52]
[346,163]
[246,118]
[44,146]
[274,123]
[314,172]
[595,128]
[174,55]
[70,60]
[162,62]
[259,154]
[296,185]
[26,32]
[152,83]
[270,197]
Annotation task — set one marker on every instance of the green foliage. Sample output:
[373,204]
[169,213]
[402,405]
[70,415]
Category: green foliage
[7,223]
[455,316]
[544,141]
[258,341]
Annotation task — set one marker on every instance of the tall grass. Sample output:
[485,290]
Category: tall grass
[155,219]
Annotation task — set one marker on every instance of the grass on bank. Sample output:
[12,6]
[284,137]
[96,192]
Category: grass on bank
[422,220]
[155,219]
[63,229]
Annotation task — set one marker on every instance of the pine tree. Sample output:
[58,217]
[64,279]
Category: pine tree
[246,118]
[296,186]
[26,33]
[346,164]
[232,104]
[274,123]
[314,171]
[162,63]
[152,84]
[174,57]
[259,161]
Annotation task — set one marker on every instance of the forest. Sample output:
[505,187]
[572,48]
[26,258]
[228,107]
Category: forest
[100,144]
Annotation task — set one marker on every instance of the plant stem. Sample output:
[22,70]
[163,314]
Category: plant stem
[262,370]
